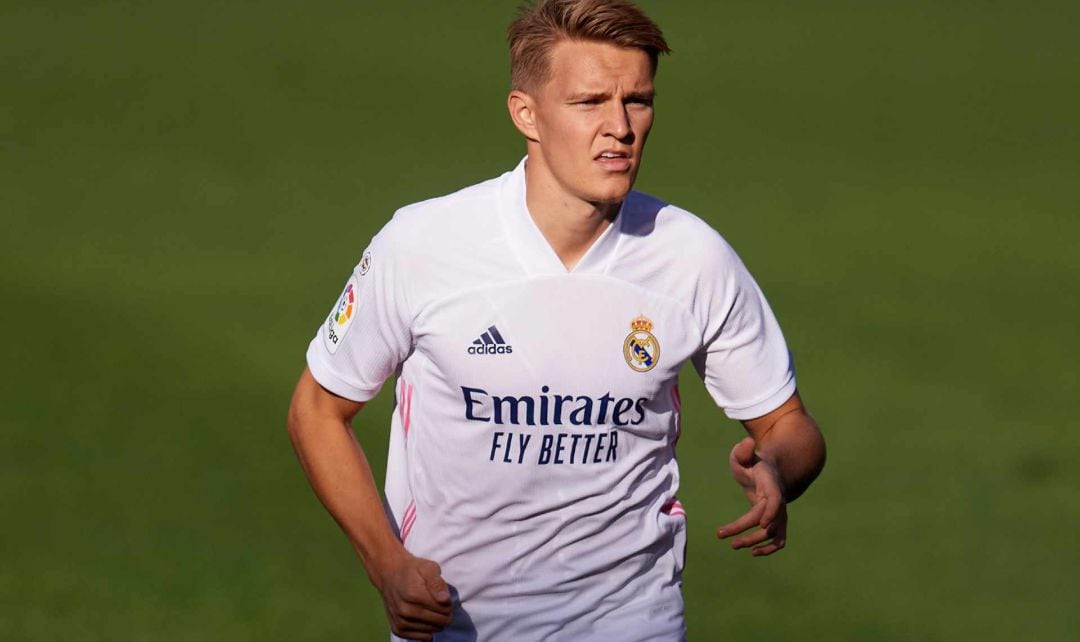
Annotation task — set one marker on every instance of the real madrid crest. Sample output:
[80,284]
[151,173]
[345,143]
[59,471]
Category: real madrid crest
[641,348]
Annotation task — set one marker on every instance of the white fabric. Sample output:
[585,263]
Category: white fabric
[541,473]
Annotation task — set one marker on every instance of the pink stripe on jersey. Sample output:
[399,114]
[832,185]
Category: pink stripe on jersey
[405,391]
[673,508]
[408,529]
[400,399]
[408,521]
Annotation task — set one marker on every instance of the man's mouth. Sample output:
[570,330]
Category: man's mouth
[614,161]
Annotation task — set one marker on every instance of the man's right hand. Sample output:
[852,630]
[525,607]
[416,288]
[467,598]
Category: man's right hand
[418,602]
[416,597]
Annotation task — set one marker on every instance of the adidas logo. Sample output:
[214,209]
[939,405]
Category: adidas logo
[491,342]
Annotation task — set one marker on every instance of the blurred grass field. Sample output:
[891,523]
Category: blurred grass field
[185,186]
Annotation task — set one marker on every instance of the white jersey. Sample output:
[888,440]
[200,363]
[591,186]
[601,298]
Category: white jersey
[532,450]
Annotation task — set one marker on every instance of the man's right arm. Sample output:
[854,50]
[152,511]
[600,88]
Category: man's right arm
[417,599]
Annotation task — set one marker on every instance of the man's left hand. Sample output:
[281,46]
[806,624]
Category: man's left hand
[761,483]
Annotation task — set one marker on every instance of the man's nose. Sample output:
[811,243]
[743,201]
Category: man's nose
[618,121]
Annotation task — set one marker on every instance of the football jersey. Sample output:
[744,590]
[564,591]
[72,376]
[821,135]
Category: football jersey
[532,447]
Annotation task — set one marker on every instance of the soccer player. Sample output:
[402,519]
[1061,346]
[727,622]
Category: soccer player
[536,324]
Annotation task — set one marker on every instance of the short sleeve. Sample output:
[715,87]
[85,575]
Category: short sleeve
[744,360]
[367,334]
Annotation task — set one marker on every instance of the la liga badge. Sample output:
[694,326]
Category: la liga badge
[341,317]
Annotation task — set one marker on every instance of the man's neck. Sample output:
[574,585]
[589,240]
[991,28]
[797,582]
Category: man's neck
[569,225]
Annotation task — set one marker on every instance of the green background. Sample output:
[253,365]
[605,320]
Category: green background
[185,186]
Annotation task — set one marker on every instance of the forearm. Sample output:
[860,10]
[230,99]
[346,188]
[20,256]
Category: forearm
[339,473]
[795,445]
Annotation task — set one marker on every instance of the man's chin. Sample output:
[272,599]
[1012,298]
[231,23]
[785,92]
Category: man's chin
[613,191]
[613,197]
[608,200]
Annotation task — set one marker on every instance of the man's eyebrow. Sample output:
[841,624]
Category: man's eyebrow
[588,95]
[603,95]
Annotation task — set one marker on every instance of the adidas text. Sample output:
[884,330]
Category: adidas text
[491,349]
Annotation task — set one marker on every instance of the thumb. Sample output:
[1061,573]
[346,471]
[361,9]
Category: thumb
[742,454]
[436,585]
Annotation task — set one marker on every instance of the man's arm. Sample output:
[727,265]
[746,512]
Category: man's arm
[417,599]
[784,453]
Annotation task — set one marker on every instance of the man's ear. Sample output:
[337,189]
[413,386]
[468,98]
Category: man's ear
[522,108]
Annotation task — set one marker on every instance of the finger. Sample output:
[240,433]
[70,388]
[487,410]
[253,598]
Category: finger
[423,600]
[422,615]
[419,627]
[415,630]
[436,585]
[406,631]
[752,539]
[409,634]
[778,543]
[768,549]
[740,461]
[417,594]
[769,489]
[410,629]
[748,520]
[742,454]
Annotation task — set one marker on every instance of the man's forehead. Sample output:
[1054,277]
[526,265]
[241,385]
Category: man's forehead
[586,66]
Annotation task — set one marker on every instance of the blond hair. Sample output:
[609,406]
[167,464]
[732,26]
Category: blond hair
[539,27]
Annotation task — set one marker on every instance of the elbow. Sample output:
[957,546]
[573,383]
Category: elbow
[304,415]
[817,460]
[299,412]
[820,451]
[292,421]
[811,455]
[818,467]
[817,453]
[302,407]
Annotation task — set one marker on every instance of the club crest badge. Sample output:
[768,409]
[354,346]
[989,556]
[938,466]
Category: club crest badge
[641,349]
[341,317]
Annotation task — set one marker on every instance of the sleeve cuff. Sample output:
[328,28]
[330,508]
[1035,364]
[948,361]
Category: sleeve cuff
[766,405]
[335,384]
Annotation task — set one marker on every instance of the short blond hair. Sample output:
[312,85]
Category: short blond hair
[540,26]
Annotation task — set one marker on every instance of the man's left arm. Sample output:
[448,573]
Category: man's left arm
[784,453]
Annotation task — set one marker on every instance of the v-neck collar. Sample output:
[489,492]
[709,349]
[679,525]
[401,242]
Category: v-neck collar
[533,249]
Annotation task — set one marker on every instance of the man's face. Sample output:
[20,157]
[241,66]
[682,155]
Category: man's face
[592,118]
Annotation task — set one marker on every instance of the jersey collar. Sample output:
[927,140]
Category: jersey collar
[529,244]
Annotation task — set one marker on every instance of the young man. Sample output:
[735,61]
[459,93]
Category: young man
[537,323]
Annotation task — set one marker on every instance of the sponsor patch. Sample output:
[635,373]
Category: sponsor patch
[365,263]
[341,317]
